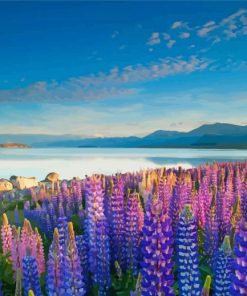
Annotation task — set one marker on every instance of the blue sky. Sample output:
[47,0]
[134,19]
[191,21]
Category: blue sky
[121,68]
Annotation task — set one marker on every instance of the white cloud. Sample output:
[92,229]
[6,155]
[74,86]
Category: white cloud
[114,84]
[184,35]
[229,27]
[170,43]
[154,39]
[178,24]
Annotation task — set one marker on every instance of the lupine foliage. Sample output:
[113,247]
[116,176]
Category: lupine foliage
[154,232]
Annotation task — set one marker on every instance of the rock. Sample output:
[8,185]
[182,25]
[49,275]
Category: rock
[52,177]
[5,185]
[23,182]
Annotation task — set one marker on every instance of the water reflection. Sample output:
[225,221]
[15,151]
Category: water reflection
[72,162]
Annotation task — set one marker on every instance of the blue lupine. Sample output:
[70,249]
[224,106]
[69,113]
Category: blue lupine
[82,247]
[223,269]
[157,251]
[17,217]
[239,277]
[173,209]
[31,276]
[187,255]
[103,257]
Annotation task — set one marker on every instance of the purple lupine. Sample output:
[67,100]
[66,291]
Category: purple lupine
[82,247]
[173,211]
[223,269]
[103,278]
[31,276]
[54,278]
[211,233]
[71,267]
[118,223]
[239,277]
[157,251]
[94,212]
[189,282]
[132,233]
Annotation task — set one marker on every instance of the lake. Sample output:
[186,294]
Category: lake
[71,162]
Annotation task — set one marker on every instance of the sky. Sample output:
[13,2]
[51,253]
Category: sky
[121,68]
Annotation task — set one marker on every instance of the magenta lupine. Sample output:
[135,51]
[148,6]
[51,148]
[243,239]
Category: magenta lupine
[239,278]
[211,233]
[157,251]
[16,248]
[40,256]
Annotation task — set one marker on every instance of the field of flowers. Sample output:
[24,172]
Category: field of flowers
[155,232]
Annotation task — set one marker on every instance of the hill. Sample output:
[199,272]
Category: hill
[217,135]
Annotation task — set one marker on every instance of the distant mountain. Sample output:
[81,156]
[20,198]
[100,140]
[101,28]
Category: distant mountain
[219,129]
[218,135]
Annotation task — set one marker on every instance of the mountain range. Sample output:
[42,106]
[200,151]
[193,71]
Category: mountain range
[217,135]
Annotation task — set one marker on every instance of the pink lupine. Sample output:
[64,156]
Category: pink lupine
[40,256]
[6,235]
[16,248]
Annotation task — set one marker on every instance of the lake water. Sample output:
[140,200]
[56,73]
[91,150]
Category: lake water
[71,162]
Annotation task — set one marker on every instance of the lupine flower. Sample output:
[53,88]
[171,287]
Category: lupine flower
[132,233]
[31,276]
[16,248]
[103,257]
[94,211]
[82,247]
[40,256]
[54,277]
[187,255]
[223,269]
[118,223]
[211,233]
[239,278]
[6,235]
[73,280]
[157,277]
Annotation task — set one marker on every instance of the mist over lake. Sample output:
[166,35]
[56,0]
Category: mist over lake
[71,162]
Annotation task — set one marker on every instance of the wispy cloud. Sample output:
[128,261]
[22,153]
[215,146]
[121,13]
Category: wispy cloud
[170,43]
[154,39]
[115,83]
[230,27]
[179,25]
[184,35]
[114,34]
